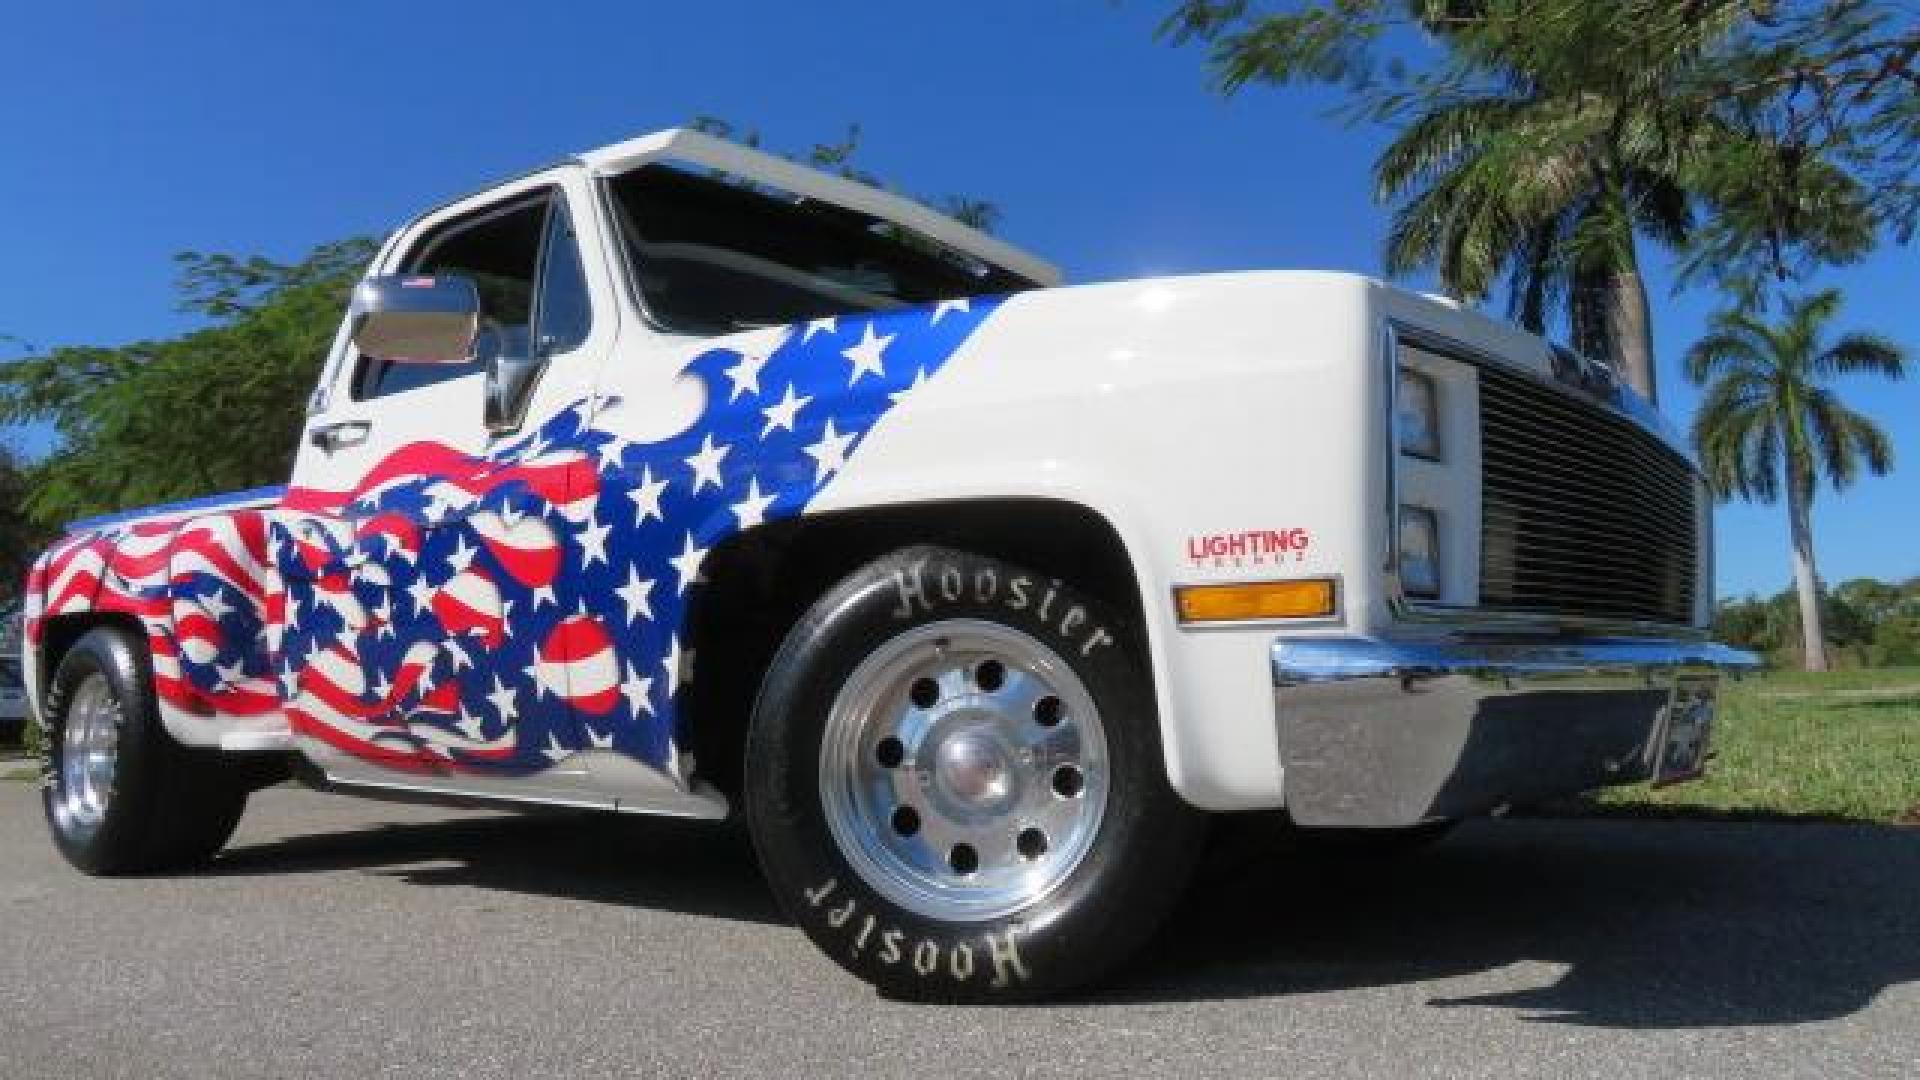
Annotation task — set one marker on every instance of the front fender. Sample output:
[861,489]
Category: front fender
[1176,410]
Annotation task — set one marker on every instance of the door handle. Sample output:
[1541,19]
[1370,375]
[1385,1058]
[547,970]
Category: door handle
[331,437]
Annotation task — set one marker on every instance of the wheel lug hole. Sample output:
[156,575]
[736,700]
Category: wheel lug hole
[990,675]
[1031,843]
[963,859]
[1068,782]
[906,821]
[889,753]
[925,693]
[1048,711]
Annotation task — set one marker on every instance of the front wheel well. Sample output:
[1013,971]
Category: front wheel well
[761,582]
[59,633]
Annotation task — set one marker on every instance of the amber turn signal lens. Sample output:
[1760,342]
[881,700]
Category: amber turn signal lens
[1308,599]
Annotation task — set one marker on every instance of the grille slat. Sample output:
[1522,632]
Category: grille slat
[1584,513]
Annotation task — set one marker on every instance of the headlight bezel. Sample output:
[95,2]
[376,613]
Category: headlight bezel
[1426,583]
[1417,399]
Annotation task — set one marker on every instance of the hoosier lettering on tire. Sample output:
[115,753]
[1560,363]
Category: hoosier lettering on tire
[955,781]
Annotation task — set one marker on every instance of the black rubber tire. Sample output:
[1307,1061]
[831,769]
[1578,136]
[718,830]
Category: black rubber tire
[171,807]
[1142,856]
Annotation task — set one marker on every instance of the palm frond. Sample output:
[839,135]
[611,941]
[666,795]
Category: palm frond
[1869,354]
[1723,352]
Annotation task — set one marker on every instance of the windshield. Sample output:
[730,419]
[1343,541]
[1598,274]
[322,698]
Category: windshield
[713,253]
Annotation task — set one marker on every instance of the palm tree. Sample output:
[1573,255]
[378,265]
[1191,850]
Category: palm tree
[1770,416]
[1530,189]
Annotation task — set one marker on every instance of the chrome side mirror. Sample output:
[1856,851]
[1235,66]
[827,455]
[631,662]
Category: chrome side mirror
[416,318]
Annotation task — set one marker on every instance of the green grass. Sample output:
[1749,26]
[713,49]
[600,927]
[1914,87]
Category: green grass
[1839,745]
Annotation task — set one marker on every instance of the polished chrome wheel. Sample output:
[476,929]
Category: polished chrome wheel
[963,770]
[89,753]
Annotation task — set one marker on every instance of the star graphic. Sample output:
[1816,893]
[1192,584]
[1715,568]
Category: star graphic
[593,541]
[422,595]
[636,594]
[752,510]
[830,453]
[461,661]
[687,564]
[705,463]
[746,375]
[781,415]
[544,595]
[819,326]
[462,556]
[944,306]
[231,674]
[866,355]
[215,604]
[596,740]
[635,689]
[502,699]
[610,453]
[469,725]
[553,750]
[646,497]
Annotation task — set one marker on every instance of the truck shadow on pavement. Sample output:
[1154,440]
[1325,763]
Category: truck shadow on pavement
[1628,924]
[693,867]
[1617,923]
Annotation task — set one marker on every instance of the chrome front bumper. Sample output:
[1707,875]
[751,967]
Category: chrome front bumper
[1377,733]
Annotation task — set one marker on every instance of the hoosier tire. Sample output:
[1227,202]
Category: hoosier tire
[955,785]
[120,795]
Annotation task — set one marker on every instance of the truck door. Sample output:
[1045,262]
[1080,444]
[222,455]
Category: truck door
[424,639]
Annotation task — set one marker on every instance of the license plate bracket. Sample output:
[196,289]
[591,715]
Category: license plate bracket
[1686,728]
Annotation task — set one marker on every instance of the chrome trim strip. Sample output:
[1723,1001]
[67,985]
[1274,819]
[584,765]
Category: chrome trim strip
[1305,661]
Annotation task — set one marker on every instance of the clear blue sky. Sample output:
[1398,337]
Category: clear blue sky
[131,134]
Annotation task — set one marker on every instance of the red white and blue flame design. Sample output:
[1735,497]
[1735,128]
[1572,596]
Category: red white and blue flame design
[502,612]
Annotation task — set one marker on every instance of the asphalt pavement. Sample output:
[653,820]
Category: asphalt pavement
[346,938]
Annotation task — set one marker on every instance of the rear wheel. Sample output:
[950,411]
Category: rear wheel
[955,781]
[120,795]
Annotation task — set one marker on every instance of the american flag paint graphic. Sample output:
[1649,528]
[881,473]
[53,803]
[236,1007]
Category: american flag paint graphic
[500,613]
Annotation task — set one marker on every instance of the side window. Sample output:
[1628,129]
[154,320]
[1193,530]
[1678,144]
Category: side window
[564,313]
[500,250]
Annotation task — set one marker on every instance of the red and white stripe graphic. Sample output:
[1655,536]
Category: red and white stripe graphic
[577,663]
[524,545]
[469,604]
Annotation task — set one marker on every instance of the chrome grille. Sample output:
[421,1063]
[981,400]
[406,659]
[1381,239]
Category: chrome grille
[1584,513]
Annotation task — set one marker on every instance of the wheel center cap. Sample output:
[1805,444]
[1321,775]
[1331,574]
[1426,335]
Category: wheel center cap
[971,766]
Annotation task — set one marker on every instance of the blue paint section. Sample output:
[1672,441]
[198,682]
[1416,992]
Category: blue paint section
[228,501]
[475,658]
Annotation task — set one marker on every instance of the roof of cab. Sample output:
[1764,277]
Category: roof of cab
[699,148]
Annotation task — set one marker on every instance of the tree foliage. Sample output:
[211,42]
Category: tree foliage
[216,409]
[1791,125]
[1770,416]
[21,538]
[1872,623]
[1771,422]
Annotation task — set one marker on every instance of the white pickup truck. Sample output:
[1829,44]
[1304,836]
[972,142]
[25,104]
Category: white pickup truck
[679,479]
